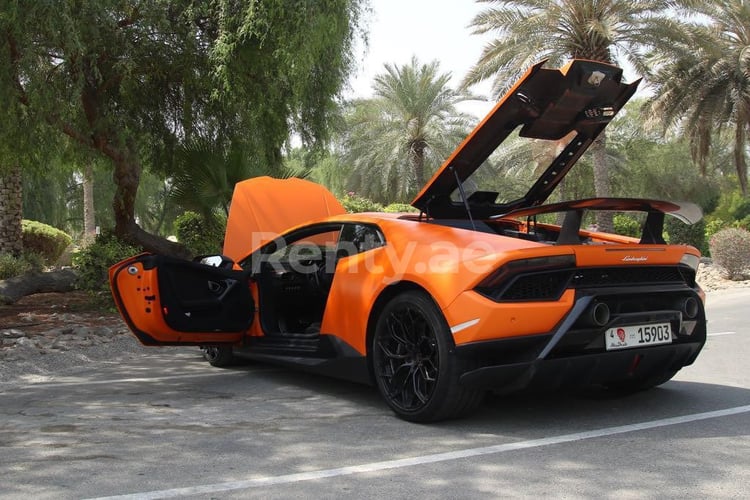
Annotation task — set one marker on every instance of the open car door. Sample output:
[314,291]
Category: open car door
[169,301]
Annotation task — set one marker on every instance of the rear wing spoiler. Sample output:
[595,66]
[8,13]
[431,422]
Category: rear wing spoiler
[687,212]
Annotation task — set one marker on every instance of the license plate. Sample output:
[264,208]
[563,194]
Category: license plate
[625,337]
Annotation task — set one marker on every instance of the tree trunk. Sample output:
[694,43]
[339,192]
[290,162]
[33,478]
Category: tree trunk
[126,176]
[89,219]
[13,289]
[739,157]
[602,186]
[127,173]
[417,163]
[11,211]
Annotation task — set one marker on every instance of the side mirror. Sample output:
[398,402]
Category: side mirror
[220,261]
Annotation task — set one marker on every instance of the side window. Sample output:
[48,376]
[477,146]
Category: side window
[358,238]
[312,244]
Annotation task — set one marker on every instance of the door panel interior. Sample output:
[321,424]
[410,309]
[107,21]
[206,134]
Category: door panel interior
[200,298]
[168,301]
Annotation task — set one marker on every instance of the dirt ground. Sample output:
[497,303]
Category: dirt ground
[40,312]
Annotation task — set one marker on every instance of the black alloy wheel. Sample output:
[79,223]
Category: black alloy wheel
[414,362]
[218,355]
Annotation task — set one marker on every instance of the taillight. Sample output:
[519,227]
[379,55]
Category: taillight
[691,261]
[533,279]
[531,265]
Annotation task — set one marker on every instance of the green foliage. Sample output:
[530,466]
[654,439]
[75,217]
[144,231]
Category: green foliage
[528,31]
[655,168]
[714,225]
[742,210]
[330,171]
[393,142]
[51,194]
[627,225]
[700,80]
[127,82]
[206,173]
[44,240]
[399,207]
[730,249]
[94,261]
[687,234]
[732,206]
[202,236]
[11,266]
[353,204]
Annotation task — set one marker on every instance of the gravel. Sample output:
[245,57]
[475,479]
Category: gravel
[28,362]
[712,277]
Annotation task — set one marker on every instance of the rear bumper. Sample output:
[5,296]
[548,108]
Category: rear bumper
[573,354]
[583,370]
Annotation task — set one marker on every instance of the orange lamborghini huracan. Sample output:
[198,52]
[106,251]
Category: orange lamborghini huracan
[486,288]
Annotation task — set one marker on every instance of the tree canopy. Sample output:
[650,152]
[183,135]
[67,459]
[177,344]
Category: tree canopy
[132,80]
[394,141]
[701,81]
[529,31]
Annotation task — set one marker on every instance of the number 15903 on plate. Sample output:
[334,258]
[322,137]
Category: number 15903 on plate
[624,337]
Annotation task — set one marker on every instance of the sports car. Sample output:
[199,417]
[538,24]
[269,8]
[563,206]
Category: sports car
[484,288]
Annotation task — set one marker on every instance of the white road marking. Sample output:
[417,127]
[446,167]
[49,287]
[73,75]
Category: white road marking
[719,333]
[424,459]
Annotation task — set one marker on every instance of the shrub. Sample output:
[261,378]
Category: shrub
[730,249]
[399,207]
[626,225]
[714,225]
[742,210]
[46,241]
[94,261]
[353,204]
[202,237]
[732,206]
[687,234]
[744,223]
[11,266]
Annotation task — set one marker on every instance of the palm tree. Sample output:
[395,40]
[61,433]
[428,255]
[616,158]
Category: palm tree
[11,210]
[206,173]
[529,31]
[702,85]
[395,140]
[89,211]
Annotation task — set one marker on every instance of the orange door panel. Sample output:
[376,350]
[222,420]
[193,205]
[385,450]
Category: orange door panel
[168,301]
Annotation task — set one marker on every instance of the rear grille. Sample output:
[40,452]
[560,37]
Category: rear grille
[615,276]
[541,286]
[550,285]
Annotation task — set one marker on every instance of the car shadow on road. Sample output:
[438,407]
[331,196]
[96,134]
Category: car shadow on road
[553,409]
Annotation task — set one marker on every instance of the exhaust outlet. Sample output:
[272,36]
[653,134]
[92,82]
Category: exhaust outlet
[690,308]
[596,315]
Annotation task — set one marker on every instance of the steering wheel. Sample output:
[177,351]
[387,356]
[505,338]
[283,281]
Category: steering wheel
[320,277]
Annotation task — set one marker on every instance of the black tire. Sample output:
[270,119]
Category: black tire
[414,362]
[634,385]
[219,356]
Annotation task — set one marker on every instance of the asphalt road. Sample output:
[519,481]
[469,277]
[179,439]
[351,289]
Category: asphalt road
[169,425]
